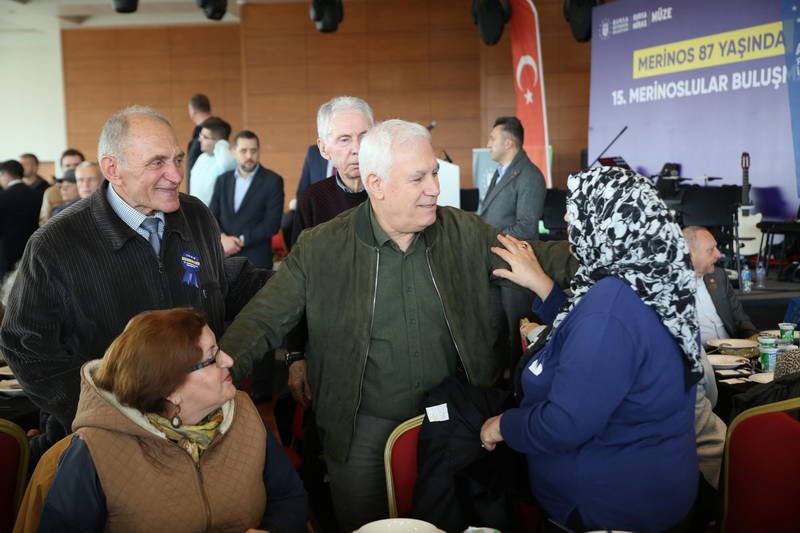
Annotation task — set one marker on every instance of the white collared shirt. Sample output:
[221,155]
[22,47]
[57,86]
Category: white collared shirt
[711,326]
[241,186]
[131,216]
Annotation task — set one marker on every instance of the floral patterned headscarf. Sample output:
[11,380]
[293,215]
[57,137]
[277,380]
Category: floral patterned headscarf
[619,227]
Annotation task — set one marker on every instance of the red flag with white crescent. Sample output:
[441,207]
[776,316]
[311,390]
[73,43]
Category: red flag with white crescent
[526,51]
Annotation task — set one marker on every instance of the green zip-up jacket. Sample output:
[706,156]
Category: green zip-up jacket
[332,273]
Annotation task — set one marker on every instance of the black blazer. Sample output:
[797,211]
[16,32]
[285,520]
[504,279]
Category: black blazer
[259,216]
[315,168]
[19,218]
[728,306]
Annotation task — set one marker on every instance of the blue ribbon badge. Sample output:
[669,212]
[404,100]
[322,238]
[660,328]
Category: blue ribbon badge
[191,266]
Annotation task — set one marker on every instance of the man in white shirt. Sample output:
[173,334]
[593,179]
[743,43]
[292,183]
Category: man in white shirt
[216,158]
[719,311]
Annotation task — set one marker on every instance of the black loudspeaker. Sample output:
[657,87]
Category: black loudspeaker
[125,6]
[326,14]
[490,16]
[579,15]
[213,9]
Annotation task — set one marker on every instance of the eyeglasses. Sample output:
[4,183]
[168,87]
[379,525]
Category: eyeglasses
[208,362]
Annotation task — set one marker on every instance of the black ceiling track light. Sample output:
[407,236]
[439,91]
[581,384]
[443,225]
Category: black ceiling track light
[326,14]
[213,9]
[125,6]
[490,16]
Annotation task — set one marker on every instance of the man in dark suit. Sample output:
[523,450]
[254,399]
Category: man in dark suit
[315,168]
[514,200]
[513,204]
[248,203]
[19,214]
[199,111]
[719,311]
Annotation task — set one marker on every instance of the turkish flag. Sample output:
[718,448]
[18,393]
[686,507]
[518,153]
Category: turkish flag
[526,51]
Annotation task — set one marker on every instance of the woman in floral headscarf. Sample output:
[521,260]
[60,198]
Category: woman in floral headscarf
[607,416]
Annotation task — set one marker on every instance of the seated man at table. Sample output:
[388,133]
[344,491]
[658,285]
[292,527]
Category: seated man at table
[719,311]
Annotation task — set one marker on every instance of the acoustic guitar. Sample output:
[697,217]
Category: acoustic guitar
[749,234]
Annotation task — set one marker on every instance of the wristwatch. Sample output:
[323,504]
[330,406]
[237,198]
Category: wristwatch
[291,357]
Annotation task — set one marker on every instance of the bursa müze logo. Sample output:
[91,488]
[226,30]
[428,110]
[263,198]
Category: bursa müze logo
[605,28]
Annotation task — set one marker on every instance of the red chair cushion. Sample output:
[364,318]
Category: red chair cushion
[10,456]
[764,475]
[404,469]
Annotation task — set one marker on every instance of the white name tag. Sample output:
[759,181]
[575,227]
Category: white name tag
[536,367]
[438,413]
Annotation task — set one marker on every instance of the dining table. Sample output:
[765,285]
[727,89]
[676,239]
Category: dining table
[733,379]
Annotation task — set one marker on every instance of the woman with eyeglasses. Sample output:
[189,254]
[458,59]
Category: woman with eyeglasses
[164,442]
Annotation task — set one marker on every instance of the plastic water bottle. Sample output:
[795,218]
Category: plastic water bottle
[747,279]
[761,275]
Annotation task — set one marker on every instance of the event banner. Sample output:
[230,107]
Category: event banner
[529,82]
[791,31]
[696,83]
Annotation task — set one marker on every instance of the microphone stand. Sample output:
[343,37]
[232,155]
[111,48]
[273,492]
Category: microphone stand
[596,159]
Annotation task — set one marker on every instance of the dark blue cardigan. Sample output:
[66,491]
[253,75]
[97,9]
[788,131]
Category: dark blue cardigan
[606,421]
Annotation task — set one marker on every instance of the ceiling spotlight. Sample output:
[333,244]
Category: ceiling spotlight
[326,14]
[213,9]
[491,16]
[125,6]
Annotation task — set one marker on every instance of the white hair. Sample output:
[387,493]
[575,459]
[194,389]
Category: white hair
[114,134]
[340,104]
[375,155]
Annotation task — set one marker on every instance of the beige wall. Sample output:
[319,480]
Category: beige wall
[420,60]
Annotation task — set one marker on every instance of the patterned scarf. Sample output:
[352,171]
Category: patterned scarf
[620,227]
[193,439]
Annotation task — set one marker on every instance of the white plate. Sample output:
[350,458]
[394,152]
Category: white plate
[399,525]
[736,344]
[727,361]
[764,377]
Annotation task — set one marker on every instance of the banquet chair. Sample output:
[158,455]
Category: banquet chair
[762,470]
[32,502]
[14,454]
[400,463]
[555,207]
[713,208]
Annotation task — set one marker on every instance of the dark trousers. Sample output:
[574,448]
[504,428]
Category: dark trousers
[358,486]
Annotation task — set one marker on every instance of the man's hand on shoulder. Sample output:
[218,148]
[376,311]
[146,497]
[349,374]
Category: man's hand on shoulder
[231,245]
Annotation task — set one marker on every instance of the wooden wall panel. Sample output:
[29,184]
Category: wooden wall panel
[413,59]
[108,69]
[416,59]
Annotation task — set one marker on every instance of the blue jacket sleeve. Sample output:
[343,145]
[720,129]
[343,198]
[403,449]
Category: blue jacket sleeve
[75,501]
[305,175]
[594,374]
[287,505]
[548,308]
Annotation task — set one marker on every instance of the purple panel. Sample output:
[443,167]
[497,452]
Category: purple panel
[705,133]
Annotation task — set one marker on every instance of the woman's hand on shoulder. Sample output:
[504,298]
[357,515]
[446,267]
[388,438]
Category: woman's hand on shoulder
[525,268]
[252,530]
[490,433]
